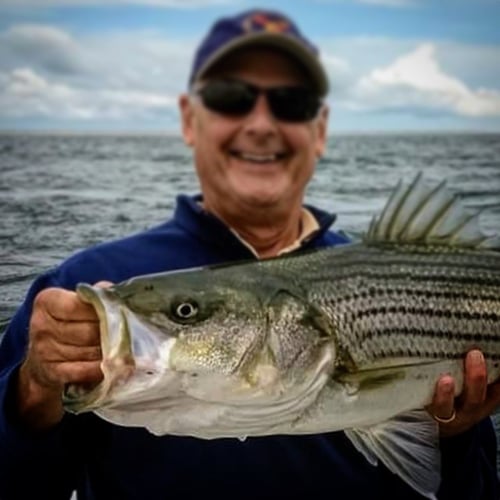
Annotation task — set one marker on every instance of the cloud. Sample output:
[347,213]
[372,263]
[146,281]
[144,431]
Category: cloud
[44,46]
[416,80]
[49,73]
[133,78]
[24,93]
[181,4]
[339,72]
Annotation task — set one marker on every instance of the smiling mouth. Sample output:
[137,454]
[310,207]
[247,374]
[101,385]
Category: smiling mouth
[260,158]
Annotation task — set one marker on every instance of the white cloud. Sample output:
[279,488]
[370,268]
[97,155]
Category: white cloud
[121,58]
[42,45]
[47,72]
[24,93]
[416,80]
[133,77]
[339,71]
[335,63]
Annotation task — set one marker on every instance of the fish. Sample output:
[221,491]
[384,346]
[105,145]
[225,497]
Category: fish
[349,338]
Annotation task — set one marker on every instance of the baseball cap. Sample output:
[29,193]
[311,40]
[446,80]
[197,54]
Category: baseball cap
[258,28]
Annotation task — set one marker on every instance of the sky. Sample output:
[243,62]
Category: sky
[119,65]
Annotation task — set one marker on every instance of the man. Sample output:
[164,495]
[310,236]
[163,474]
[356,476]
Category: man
[256,120]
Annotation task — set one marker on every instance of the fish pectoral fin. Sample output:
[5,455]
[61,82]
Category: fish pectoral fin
[408,445]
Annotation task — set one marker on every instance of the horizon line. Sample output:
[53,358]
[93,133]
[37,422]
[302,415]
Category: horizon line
[177,134]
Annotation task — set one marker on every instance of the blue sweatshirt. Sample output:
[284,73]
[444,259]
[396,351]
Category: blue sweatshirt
[105,462]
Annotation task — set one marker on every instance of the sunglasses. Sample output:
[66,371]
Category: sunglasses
[237,98]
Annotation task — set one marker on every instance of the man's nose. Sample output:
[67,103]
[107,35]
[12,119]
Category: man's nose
[261,120]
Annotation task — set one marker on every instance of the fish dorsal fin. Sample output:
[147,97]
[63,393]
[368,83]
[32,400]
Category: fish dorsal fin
[408,446]
[429,215]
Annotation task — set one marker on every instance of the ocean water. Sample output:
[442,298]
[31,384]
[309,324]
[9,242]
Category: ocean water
[61,193]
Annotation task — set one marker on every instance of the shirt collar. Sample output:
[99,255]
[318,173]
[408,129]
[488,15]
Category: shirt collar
[308,227]
[190,215]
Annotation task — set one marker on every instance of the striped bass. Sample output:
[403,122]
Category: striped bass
[350,338]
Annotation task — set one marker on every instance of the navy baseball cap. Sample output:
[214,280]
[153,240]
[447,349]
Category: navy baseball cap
[258,28]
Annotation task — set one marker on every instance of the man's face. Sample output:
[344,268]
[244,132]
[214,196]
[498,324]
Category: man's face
[255,160]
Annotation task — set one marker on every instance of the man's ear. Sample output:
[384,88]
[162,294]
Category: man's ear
[187,119]
[322,129]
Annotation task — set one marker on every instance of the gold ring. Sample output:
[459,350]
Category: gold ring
[442,420]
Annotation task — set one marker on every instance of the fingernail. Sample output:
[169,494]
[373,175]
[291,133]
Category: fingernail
[447,385]
[476,357]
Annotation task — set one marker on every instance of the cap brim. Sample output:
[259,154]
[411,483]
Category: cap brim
[284,42]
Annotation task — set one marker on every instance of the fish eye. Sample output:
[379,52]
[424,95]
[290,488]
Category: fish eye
[186,310]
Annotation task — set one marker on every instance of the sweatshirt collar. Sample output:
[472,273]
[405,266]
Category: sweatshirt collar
[189,214]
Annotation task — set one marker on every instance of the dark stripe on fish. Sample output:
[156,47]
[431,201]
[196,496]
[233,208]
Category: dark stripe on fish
[440,334]
[402,353]
[478,281]
[374,292]
[423,311]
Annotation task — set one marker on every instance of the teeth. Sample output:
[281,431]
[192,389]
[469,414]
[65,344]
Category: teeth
[258,158]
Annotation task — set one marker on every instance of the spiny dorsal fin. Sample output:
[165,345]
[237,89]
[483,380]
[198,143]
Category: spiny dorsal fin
[430,215]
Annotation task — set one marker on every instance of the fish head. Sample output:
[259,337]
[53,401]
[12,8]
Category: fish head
[169,334]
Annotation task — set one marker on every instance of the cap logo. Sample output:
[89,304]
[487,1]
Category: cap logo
[265,22]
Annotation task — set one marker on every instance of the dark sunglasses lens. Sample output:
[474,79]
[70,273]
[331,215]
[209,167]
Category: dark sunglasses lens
[294,104]
[231,98]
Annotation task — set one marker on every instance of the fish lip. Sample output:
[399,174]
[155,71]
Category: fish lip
[117,357]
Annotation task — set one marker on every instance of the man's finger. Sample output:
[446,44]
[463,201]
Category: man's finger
[78,334]
[475,383]
[64,305]
[443,403]
[85,372]
[64,353]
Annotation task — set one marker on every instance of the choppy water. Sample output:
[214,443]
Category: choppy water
[60,193]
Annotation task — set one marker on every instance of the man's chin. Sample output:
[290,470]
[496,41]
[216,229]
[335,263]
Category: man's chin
[267,199]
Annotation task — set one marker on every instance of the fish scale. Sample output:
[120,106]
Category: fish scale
[367,297]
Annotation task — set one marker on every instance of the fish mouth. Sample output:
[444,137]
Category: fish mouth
[117,363]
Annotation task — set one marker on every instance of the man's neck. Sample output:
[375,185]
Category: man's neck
[267,232]
[269,241]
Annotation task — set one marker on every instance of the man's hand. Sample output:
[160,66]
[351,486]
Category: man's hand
[64,347]
[476,402]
